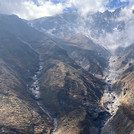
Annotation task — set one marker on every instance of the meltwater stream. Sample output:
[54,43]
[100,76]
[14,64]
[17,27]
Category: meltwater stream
[35,89]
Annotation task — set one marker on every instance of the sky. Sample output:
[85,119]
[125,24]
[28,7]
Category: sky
[32,9]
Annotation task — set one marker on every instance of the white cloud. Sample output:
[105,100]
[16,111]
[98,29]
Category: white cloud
[85,6]
[119,38]
[124,0]
[29,10]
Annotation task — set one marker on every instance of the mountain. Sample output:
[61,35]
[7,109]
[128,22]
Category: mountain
[69,91]
[122,121]
[90,56]
[71,23]
[66,90]
[19,112]
[58,78]
[109,29]
[16,26]
[91,42]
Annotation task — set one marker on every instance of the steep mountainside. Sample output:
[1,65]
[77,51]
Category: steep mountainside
[108,28]
[19,114]
[72,94]
[17,55]
[71,22]
[16,26]
[122,122]
[90,56]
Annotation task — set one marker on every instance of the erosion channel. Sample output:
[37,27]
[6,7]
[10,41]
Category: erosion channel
[35,89]
[110,100]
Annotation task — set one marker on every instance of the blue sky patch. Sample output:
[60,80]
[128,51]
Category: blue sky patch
[117,4]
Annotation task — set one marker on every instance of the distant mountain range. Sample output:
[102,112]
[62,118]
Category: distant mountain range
[109,29]
[71,23]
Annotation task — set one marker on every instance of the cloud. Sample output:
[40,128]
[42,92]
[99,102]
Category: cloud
[27,9]
[119,38]
[31,9]
[85,6]
[123,0]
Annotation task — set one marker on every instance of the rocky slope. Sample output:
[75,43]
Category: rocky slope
[69,92]
[122,122]
[18,111]
[68,23]
[16,26]
[118,95]
[87,54]
[75,90]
